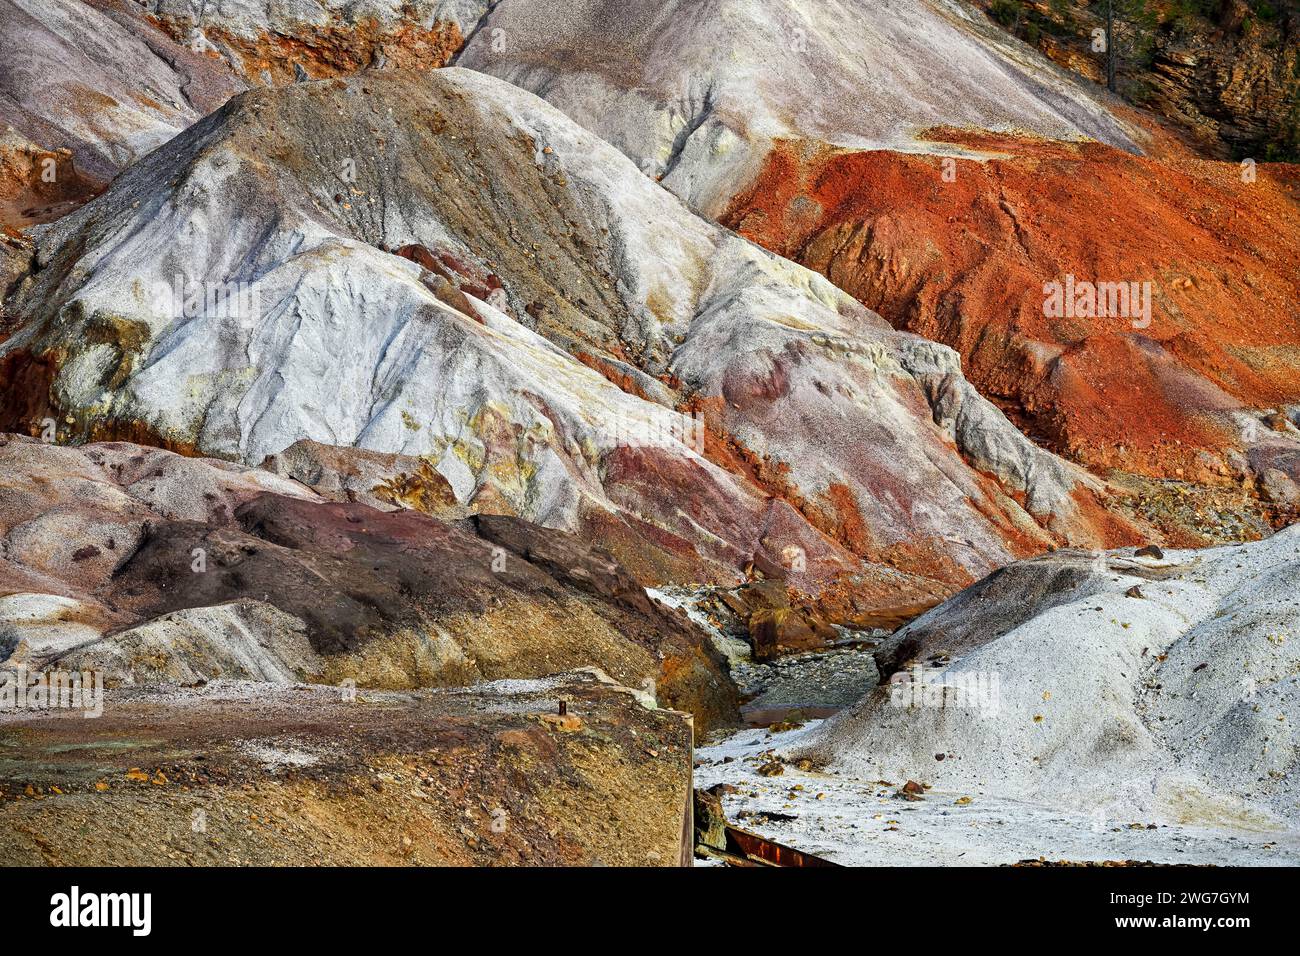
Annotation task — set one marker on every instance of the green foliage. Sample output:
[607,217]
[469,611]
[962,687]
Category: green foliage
[1189,16]
[1134,39]
[1286,148]
[1140,24]
[1006,12]
[1028,23]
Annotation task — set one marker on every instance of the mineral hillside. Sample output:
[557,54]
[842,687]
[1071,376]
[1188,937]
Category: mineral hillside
[439,427]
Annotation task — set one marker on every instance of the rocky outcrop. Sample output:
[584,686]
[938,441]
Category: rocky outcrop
[243,774]
[272,43]
[974,176]
[15,260]
[1229,77]
[558,339]
[151,568]
[1234,83]
[383,481]
[90,86]
[99,82]
[36,185]
[1149,685]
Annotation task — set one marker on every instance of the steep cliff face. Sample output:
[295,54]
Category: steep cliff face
[1227,71]
[1239,82]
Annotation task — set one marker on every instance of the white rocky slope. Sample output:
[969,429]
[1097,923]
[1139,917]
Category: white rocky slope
[1134,688]
[697,92]
[539,243]
[100,80]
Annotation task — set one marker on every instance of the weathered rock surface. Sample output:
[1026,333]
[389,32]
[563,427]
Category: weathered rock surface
[36,185]
[15,259]
[1173,393]
[99,81]
[274,42]
[243,774]
[1155,688]
[1229,76]
[157,569]
[559,339]
[90,86]
[698,94]
[383,481]
[455,379]
[944,177]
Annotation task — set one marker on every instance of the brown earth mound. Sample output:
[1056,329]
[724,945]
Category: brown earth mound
[155,568]
[309,51]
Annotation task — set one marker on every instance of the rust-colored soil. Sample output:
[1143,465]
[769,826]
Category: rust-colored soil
[965,262]
[324,52]
[39,185]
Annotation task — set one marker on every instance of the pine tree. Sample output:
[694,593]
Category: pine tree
[1111,46]
[1129,26]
